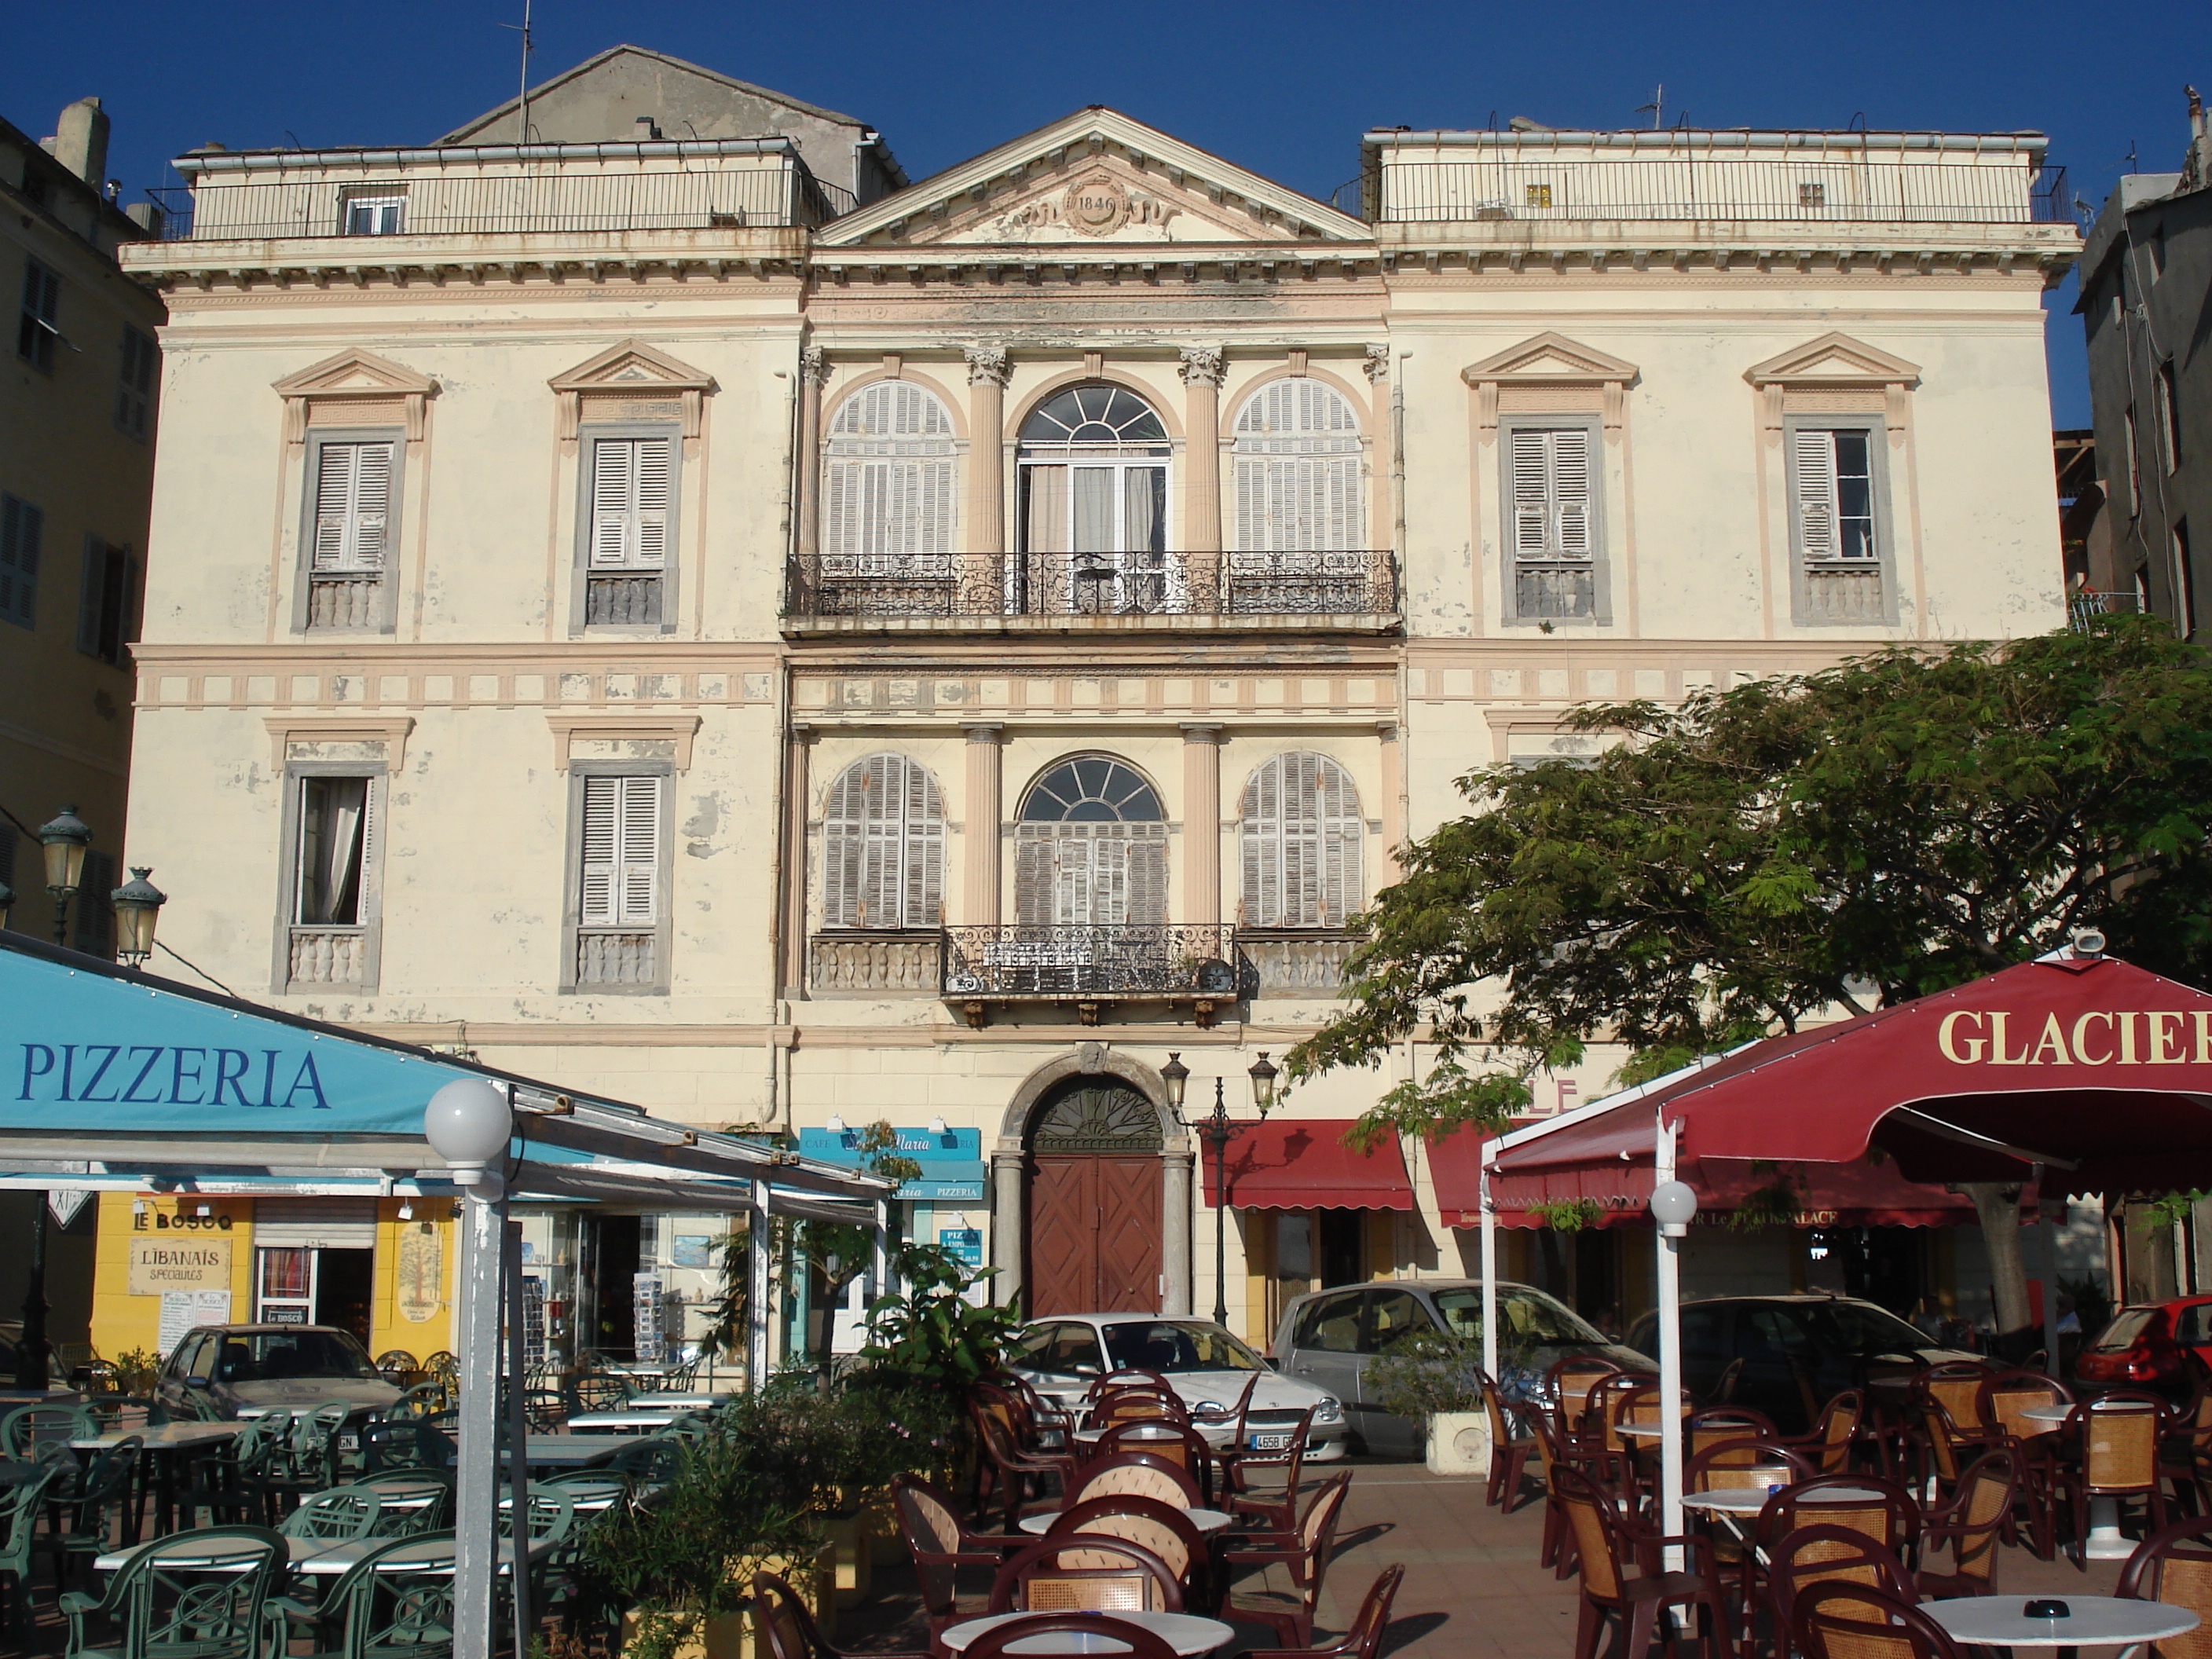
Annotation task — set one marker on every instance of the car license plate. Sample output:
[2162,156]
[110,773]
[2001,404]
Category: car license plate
[1270,1442]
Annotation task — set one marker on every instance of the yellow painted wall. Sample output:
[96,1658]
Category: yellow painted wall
[122,1321]
[388,1327]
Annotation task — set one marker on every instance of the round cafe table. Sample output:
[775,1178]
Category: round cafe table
[2105,1541]
[2092,1621]
[1186,1633]
[1091,1436]
[1750,1500]
[1205,1520]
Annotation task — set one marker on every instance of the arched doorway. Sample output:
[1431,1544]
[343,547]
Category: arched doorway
[1092,523]
[1094,1223]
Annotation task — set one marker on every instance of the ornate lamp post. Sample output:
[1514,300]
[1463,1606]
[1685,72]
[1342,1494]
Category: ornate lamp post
[137,902]
[65,835]
[1218,1129]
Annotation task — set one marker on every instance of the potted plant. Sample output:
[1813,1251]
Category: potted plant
[1436,1378]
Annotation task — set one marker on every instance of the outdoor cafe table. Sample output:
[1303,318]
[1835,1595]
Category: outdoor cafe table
[165,1442]
[1186,1633]
[319,1557]
[2105,1541]
[2092,1621]
[628,1420]
[1733,1501]
[571,1451]
[1205,1520]
[1144,1431]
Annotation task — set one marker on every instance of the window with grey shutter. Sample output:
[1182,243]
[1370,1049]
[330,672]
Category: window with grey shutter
[1836,523]
[889,484]
[107,601]
[629,529]
[351,533]
[335,830]
[1091,848]
[1301,839]
[21,525]
[1296,457]
[882,846]
[134,384]
[1550,522]
[38,329]
[622,871]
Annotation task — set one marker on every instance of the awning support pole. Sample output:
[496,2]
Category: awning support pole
[882,1261]
[476,1499]
[518,1431]
[757,1310]
[1489,1274]
[1669,1276]
[2047,1236]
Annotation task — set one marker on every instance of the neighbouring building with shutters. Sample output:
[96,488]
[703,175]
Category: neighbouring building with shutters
[625,607]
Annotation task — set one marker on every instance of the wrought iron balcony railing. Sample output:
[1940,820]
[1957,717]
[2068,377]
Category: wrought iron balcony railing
[1197,963]
[921,586]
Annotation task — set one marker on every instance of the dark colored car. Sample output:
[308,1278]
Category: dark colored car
[1327,1337]
[1788,1355]
[2166,1348]
[247,1369]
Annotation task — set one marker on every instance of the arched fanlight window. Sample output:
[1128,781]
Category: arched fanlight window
[883,846]
[1093,466]
[1090,847]
[1296,463]
[887,487]
[1301,838]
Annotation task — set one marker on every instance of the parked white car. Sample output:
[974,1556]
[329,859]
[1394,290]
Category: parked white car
[1207,1367]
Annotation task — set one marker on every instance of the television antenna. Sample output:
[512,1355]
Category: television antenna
[522,99]
[1656,107]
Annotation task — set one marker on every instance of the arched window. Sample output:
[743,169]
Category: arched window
[1301,839]
[887,481]
[883,846]
[1090,847]
[1093,462]
[1296,460]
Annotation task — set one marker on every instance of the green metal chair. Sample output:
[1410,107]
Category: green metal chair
[414,1500]
[19,1523]
[649,1460]
[23,1430]
[106,1490]
[340,1514]
[395,1602]
[423,1400]
[190,1595]
[404,1443]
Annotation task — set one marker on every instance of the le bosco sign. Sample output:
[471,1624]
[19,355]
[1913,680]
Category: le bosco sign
[2157,1036]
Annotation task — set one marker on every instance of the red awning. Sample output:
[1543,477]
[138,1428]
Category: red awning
[2100,1071]
[1860,1194]
[1303,1164]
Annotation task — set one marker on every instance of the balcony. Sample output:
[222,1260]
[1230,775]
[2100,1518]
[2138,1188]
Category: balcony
[875,963]
[884,593]
[1837,592]
[1088,967]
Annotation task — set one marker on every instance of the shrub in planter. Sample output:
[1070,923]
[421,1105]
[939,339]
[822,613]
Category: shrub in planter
[1437,1378]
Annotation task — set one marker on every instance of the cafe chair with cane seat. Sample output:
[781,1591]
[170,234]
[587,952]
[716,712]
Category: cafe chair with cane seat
[1086,1573]
[1006,1475]
[1176,1441]
[1848,1622]
[1509,1453]
[1833,1434]
[1276,1508]
[1305,1552]
[1089,1630]
[1609,1401]
[2174,1565]
[786,1629]
[2005,1399]
[2119,1435]
[1715,1424]
[1137,1474]
[1945,1398]
[1811,1557]
[1973,1524]
[1734,1464]
[1365,1639]
[941,1545]
[1162,1528]
[1624,1579]
[1128,1377]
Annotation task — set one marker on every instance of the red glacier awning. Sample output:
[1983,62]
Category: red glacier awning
[1861,1194]
[1302,1164]
[2100,1070]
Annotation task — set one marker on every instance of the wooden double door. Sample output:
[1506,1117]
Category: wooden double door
[1095,1221]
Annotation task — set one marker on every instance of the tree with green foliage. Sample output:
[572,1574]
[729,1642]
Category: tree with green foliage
[1840,840]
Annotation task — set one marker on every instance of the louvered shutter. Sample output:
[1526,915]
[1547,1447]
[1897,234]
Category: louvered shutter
[888,483]
[1296,470]
[1034,875]
[1813,460]
[20,526]
[1075,880]
[1302,843]
[621,852]
[921,899]
[841,850]
[1145,889]
[1262,845]
[1531,494]
[1338,885]
[352,505]
[633,491]
[883,846]
[1571,493]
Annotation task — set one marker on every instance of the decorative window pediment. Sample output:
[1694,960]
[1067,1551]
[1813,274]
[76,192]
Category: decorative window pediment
[1553,374]
[1835,375]
[632,381]
[355,388]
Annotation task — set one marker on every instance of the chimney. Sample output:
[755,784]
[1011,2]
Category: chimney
[646,129]
[81,141]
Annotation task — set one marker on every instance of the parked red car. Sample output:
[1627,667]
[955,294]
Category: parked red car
[2166,1347]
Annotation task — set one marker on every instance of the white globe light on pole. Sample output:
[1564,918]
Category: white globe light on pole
[1673,1206]
[468,1123]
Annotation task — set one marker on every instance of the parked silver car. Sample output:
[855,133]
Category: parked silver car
[1326,1338]
[247,1369]
[1207,1368]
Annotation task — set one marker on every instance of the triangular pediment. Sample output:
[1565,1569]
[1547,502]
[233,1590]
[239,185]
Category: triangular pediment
[356,373]
[1095,178]
[633,363]
[1550,358]
[1832,359]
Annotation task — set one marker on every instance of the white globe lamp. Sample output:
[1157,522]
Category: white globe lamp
[468,1123]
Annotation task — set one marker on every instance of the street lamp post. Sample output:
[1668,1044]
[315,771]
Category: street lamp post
[1218,1129]
[137,902]
[65,835]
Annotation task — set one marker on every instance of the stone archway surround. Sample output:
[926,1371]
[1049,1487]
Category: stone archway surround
[1009,1197]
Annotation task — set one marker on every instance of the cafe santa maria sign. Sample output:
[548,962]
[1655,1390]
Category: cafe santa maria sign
[86,1051]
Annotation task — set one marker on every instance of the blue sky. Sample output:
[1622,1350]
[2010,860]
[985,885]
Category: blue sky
[1286,89]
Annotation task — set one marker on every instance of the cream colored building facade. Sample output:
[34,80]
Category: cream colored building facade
[929,663]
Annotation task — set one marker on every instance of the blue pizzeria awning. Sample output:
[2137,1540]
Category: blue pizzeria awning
[952,1167]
